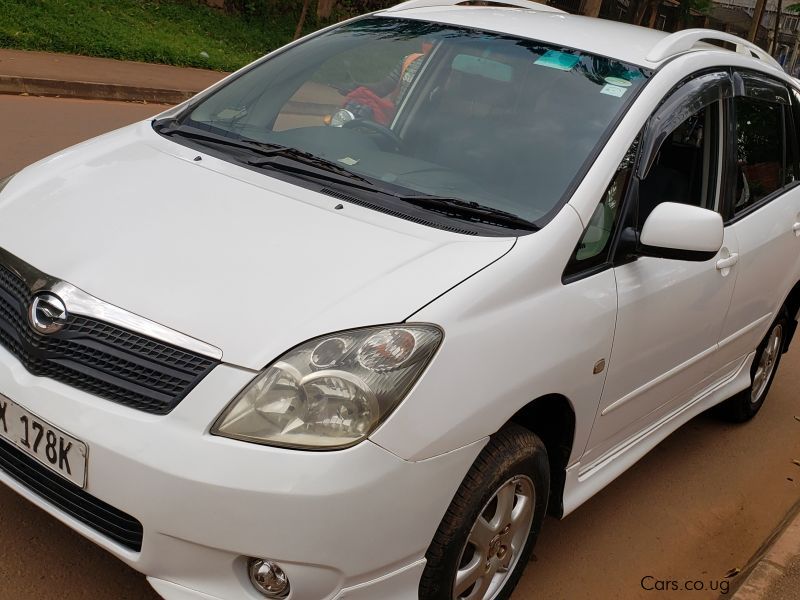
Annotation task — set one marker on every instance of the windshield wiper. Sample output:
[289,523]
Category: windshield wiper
[266,153]
[473,210]
[306,164]
[271,151]
[174,127]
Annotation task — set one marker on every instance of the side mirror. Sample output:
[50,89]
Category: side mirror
[681,232]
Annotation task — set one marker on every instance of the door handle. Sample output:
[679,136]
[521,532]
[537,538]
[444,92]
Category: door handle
[727,263]
[796,229]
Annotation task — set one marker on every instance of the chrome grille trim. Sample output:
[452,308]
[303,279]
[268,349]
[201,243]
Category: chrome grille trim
[81,303]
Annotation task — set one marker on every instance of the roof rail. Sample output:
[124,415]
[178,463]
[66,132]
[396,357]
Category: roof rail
[529,4]
[682,41]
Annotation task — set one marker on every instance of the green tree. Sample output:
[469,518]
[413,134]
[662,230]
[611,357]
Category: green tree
[686,7]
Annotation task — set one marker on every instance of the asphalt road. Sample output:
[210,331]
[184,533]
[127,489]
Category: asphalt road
[696,507]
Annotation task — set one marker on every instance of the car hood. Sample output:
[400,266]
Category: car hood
[232,257]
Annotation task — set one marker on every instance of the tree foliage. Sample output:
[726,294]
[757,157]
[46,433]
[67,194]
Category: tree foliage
[686,7]
[325,9]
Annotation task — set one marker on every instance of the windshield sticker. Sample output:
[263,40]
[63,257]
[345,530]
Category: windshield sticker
[618,81]
[557,60]
[613,90]
[349,161]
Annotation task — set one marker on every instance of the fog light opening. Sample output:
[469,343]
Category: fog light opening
[268,578]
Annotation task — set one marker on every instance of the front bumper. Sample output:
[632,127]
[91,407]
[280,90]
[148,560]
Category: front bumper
[398,585]
[341,524]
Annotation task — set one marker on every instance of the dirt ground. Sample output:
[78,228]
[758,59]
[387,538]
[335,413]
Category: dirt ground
[696,507]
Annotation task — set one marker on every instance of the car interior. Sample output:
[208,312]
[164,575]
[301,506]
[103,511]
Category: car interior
[498,117]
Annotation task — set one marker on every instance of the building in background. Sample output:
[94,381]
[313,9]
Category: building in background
[732,16]
[786,48]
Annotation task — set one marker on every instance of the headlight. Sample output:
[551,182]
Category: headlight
[332,391]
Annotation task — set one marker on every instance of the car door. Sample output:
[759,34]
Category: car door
[670,312]
[764,208]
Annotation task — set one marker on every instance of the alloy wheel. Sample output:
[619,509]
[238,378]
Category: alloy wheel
[496,540]
[766,364]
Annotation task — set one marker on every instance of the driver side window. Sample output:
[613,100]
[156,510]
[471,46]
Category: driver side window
[685,169]
[686,166]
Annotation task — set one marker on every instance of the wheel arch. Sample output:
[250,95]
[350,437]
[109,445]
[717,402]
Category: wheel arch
[552,418]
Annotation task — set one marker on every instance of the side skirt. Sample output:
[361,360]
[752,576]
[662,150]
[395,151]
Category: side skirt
[584,481]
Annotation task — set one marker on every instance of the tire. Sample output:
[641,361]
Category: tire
[745,405]
[511,472]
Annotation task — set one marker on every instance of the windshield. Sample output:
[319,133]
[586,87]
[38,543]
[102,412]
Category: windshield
[426,109]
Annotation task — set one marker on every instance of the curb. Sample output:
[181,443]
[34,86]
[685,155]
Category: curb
[772,563]
[35,86]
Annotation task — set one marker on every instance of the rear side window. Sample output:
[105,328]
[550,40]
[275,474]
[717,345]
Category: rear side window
[790,168]
[790,120]
[764,154]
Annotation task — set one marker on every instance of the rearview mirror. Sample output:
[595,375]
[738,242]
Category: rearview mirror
[681,232]
[483,67]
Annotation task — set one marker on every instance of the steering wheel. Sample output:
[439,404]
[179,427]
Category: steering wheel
[374,127]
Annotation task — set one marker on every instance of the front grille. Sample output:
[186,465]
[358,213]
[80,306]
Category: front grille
[97,357]
[69,498]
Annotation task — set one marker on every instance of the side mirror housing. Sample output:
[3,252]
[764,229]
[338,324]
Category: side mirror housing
[681,232]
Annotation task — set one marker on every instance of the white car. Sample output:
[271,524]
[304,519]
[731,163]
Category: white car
[351,322]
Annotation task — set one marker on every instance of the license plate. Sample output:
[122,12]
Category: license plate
[55,449]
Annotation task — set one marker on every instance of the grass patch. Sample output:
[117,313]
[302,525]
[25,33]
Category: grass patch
[174,32]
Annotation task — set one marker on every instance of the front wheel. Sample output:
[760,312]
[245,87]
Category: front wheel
[487,535]
[744,405]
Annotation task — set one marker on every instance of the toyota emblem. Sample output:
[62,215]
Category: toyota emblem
[47,313]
